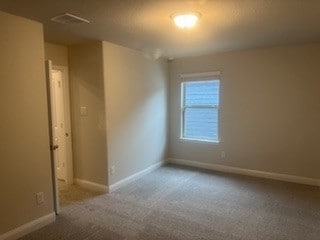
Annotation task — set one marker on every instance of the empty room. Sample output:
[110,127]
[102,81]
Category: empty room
[160,119]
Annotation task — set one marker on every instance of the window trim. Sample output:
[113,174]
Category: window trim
[201,77]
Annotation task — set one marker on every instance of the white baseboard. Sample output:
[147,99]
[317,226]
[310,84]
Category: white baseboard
[96,187]
[247,172]
[135,176]
[29,227]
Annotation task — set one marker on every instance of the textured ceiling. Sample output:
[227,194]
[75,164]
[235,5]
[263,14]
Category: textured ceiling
[225,25]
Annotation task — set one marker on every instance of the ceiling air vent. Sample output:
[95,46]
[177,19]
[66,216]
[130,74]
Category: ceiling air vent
[68,18]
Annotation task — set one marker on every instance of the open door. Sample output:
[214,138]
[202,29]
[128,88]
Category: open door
[58,122]
[53,142]
[60,126]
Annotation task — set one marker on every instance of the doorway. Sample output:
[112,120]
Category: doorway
[60,127]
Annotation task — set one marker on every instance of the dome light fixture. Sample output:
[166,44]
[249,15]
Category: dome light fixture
[186,20]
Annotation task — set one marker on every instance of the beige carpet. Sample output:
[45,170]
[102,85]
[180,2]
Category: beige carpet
[181,203]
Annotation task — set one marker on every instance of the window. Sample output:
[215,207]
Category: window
[200,110]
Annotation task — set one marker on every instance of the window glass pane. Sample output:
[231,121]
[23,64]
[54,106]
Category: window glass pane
[201,123]
[201,93]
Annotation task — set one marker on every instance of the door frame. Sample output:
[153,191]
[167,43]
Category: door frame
[56,205]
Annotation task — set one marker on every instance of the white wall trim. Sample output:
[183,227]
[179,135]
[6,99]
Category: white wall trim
[135,176]
[29,227]
[247,172]
[96,187]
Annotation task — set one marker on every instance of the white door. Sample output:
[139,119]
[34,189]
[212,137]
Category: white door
[60,127]
[58,122]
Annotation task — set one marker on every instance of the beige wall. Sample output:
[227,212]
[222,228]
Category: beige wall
[270,114]
[136,97]
[89,132]
[24,140]
[58,54]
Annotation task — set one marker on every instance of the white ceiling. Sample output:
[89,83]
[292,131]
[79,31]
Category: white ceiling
[225,25]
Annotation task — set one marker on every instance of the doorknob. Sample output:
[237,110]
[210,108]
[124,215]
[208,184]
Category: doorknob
[54,147]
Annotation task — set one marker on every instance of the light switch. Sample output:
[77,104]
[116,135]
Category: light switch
[83,111]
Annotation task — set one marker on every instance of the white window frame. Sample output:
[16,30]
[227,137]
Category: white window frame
[198,77]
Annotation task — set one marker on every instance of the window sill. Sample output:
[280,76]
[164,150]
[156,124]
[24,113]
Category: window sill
[199,140]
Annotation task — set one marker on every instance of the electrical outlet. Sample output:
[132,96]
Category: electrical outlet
[112,170]
[40,198]
[223,154]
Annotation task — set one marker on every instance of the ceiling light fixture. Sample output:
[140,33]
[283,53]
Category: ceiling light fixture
[186,20]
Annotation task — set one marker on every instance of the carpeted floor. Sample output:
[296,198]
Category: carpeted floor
[182,203]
